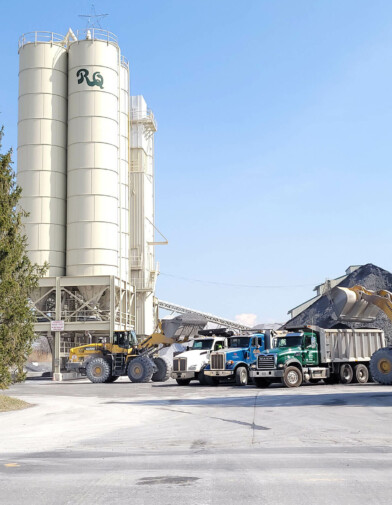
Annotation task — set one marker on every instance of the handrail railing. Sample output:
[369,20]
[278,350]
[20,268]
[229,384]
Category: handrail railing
[142,114]
[124,61]
[34,37]
[145,115]
[97,34]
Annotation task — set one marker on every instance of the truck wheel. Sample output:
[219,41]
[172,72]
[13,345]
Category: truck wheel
[346,374]
[241,376]
[361,374]
[164,369]
[98,370]
[261,383]
[141,369]
[183,382]
[112,378]
[381,366]
[292,377]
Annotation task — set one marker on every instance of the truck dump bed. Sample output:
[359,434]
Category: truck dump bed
[349,344]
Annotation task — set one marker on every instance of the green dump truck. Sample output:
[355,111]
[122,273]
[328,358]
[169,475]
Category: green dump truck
[311,353]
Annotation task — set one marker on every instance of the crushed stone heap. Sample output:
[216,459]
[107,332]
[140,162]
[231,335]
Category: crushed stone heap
[321,313]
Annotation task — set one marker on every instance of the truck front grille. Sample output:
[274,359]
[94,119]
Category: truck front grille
[218,361]
[179,364]
[265,362]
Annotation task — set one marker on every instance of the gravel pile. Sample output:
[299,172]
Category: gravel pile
[321,313]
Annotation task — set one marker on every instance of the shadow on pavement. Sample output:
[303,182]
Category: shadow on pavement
[365,399]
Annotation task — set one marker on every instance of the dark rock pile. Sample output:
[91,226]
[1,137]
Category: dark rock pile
[321,313]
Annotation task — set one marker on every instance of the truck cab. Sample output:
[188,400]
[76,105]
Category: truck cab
[234,363]
[190,365]
[290,358]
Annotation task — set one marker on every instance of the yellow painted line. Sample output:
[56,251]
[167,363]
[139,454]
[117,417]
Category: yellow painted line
[11,464]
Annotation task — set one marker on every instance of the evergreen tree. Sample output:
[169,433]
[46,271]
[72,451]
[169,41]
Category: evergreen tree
[18,276]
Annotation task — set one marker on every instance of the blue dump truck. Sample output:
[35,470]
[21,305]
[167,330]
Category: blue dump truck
[234,362]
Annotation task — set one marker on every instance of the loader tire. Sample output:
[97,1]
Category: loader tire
[381,366]
[164,367]
[140,369]
[261,383]
[361,374]
[346,374]
[241,376]
[98,370]
[292,377]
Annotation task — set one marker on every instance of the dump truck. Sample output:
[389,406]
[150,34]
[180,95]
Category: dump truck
[361,305]
[190,365]
[125,355]
[234,363]
[311,353]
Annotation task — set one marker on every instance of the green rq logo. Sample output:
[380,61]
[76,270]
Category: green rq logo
[97,80]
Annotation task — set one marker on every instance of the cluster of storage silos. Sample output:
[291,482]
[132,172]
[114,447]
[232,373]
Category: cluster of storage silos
[74,145]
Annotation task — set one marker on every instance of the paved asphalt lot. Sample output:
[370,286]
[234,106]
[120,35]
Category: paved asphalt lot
[125,443]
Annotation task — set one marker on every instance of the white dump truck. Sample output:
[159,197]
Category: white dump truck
[190,364]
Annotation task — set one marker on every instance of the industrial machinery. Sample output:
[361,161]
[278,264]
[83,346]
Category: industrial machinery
[361,305]
[105,362]
[86,168]
[312,353]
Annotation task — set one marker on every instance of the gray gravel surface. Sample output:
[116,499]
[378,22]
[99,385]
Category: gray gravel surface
[125,443]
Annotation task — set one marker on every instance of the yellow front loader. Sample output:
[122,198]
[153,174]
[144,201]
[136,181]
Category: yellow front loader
[358,304]
[106,362]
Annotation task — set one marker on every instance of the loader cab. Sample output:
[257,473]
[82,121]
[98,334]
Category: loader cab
[125,339]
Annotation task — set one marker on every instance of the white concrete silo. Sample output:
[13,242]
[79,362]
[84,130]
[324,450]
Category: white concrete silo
[93,155]
[124,222]
[42,145]
[144,270]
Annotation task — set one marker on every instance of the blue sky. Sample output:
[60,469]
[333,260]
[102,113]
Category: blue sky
[273,154]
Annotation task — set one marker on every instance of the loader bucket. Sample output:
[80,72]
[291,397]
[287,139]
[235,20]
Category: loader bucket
[348,306]
[183,327]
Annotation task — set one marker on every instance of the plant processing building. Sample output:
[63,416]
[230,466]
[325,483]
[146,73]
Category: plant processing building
[86,168]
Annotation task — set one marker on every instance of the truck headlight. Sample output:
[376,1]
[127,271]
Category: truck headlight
[281,365]
[193,367]
[253,367]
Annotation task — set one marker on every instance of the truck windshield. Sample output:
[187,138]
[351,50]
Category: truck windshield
[289,341]
[206,343]
[239,342]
